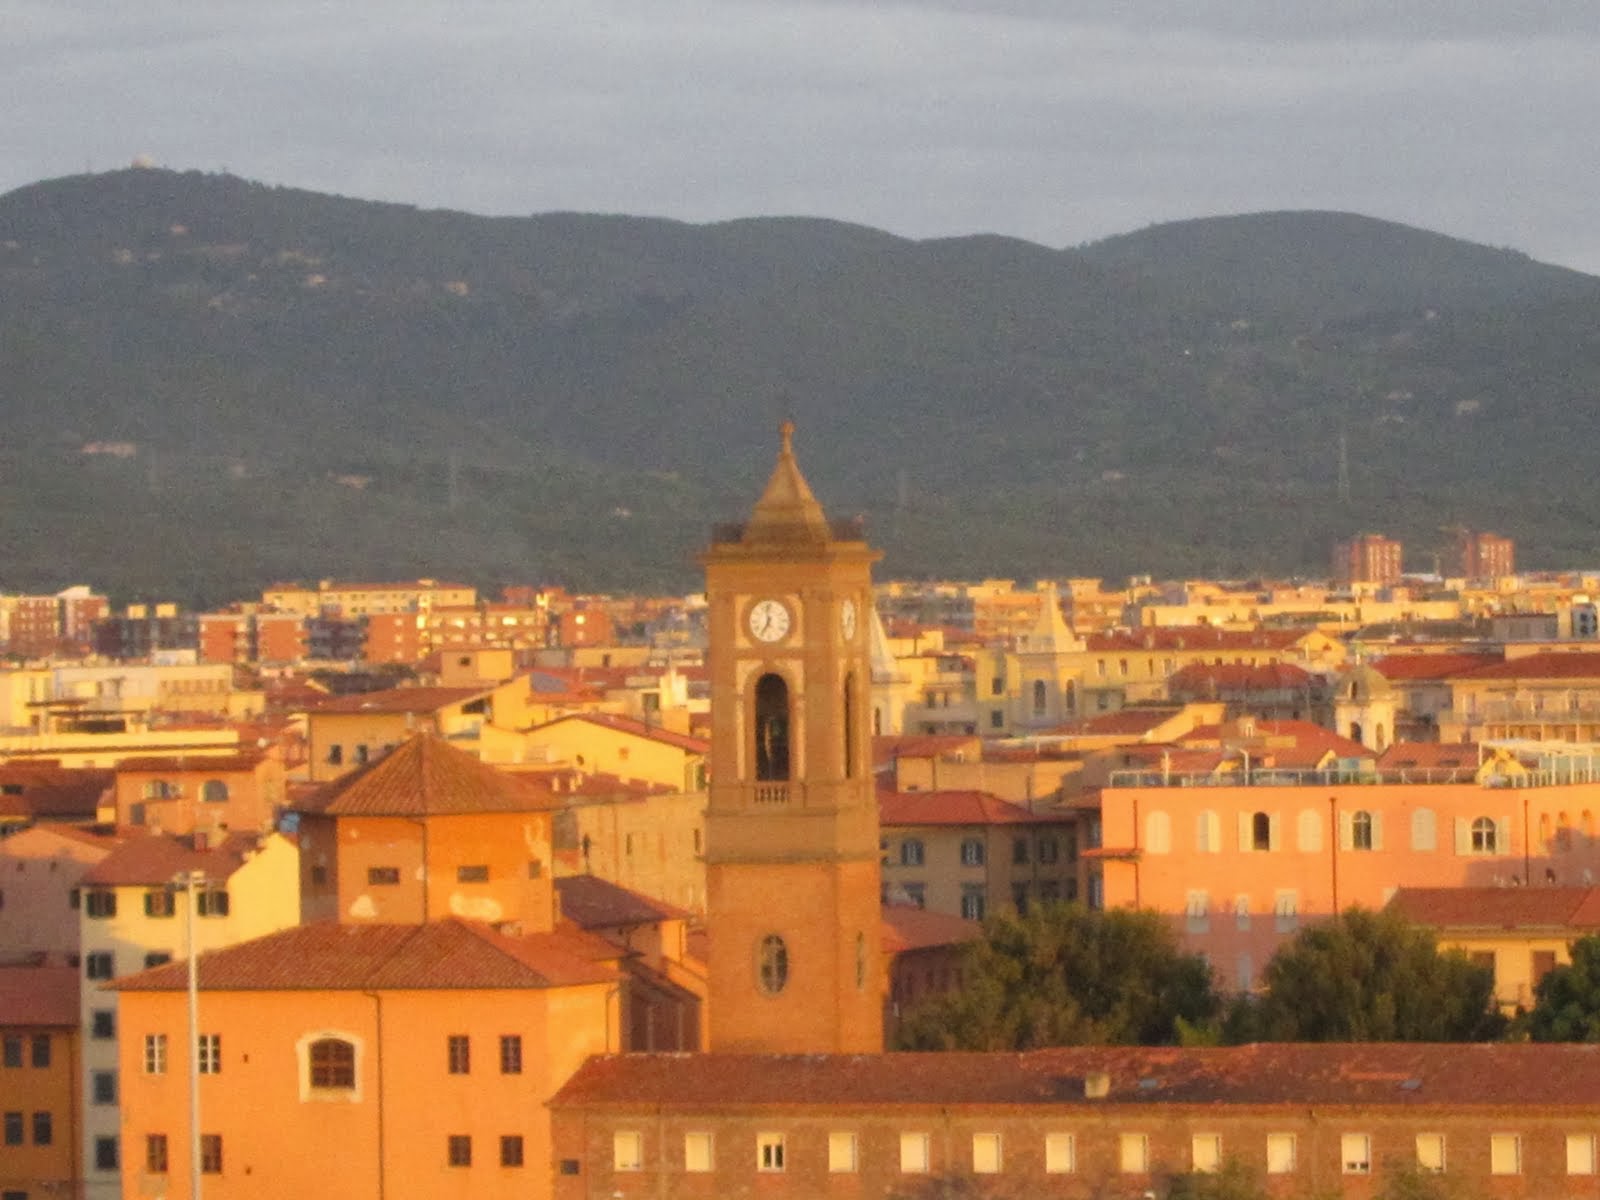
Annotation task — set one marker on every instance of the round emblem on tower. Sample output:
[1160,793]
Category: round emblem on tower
[847,620]
[769,621]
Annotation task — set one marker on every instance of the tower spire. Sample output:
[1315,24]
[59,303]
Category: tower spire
[788,510]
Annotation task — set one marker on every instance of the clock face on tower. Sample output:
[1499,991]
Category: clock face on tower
[769,621]
[847,620]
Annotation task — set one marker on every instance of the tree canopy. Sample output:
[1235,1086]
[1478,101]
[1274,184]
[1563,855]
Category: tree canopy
[1370,977]
[1064,975]
[1566,1005]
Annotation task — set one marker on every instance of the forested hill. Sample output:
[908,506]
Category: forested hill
[208,383]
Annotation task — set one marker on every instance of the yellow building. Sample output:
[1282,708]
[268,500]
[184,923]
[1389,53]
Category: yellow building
[622,746]
[1522,933]
[349,731]
[365,599]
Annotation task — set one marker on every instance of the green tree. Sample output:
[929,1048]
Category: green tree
[1370,977]
[1233,1181]
[1064,975]
[1566,1002]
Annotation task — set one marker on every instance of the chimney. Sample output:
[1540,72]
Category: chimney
[1096,1085]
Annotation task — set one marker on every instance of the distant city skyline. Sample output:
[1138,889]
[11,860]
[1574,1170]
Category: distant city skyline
[1059,122]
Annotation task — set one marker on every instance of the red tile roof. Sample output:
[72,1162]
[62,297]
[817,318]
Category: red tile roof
[628,725]
[328,956]
[888,747]
[38,996]
[153,859]
[427,776]
[399,700]
[1422,668]
[1132,721]
[1430,754]
[172,764]
[955,808]
[1203,677]
[907,927]
[1563,908]
[593,903]
[37,791]
[1369,1076]
[1308,738]
[1553,665]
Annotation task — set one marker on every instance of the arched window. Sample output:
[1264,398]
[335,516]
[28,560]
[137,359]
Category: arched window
[1361,831]
[1355,732]
[772,964]
[1207,832]
[1483,836]
[1069,698]
[1158,833]
[1261,832]
[214,791]
[1309,835]
[1040,697]
[849,716]
[772,728]
[331,1063]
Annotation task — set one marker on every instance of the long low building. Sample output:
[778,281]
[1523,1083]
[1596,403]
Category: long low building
[1495,1120]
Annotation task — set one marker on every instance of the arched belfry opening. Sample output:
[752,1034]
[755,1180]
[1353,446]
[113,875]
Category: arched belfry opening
[772,728]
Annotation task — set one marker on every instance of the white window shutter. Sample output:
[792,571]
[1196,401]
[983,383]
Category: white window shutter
[1377,831]
[1347,837]
[1275,832]
[1502,838]
[1246,833]
[1463,836]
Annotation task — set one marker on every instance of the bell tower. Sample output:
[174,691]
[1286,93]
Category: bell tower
[792,857]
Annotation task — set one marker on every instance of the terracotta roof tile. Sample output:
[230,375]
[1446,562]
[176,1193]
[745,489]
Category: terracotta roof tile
[955,808]
[423,776]
[1565,908]
[215,764]
[332,957]
[907,927]
[152,859]
[593,903]
[1554,665]
[1194,637]
[35,790]
[38,996]
[1430,754]
[1239,676]
[1369,1076]
[1421,668]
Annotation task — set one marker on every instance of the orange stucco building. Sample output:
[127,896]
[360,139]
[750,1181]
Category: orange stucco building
[39,1096]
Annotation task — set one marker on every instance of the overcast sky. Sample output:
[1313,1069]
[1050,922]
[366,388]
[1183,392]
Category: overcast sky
[1052,120]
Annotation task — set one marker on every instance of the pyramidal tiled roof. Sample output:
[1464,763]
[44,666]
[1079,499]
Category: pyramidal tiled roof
[327,956]
[788,510]
[427,776]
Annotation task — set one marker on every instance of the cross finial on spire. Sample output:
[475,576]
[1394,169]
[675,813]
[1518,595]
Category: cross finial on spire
[786,436]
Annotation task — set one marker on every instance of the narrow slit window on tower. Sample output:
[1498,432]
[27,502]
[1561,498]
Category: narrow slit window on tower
[772,728]
[849,717]
[772,965]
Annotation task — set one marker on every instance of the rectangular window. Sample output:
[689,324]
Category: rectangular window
[13,1050]
[458,1054]
[1133,1153]
[99,903]
[41,1050]
[155,1054]
[1580,1154]
[1355,1152]
[1019,851]
[1286,911]
[157,958]
[1197,911]
[972,853]
[103,1087]
[1060,1153]
[158,902]
[841,1153]
[986,1154]
[103,1023]
[458,1150]
[769,1151]
[106,1155]
[1280,1153]
[211,1153]
[155,1153]
[1430,1152]
[99,965]
[1205,1152]
[474,873]
[1505,1154]
[383,876]
[511,1054]
[972,903]
[44,1131]
[1540,964]
[914,1154]
[627,1150]
[212,902]
[209,1054]
[1048,850]
[14,1129]
[511,1150]
[697,1152]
